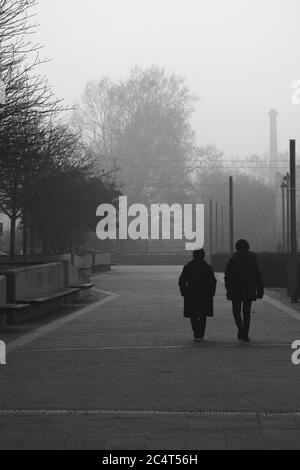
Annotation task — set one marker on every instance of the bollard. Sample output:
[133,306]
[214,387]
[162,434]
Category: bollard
[2,353]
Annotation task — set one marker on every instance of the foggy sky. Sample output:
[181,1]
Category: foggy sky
[239,56]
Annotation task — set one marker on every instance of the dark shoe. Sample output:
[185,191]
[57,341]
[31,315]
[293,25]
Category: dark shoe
[246,339]
[240,335]
[198,339]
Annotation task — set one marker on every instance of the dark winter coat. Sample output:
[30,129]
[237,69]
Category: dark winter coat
[242,277]
[198,287]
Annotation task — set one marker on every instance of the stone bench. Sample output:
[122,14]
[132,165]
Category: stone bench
[85,289]
[30,282]
[3,302]
[3,318]
[49,303]
[101,268]
[53,296]
[101,262]
[10,313]
[35,291]
[41,306]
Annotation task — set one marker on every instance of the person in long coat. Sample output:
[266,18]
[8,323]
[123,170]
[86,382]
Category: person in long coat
[197,285]
[244,285]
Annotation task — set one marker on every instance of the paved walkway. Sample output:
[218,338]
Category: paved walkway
[123,373]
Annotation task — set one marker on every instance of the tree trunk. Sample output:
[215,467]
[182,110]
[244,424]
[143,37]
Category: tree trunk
[32,236]
[44,242]
[12,248]
[25,233]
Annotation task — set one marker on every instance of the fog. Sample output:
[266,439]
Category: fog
[239,56]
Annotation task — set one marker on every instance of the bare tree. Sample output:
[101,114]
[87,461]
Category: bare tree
[29,101]
[141,126]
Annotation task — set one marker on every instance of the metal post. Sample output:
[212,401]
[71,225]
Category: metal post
[222,228]
[25,215]
[231,214]
[283,186]
[288,212]
[217,227]
[293,272]
[211,247]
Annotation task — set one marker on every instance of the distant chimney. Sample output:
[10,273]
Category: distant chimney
[273,139]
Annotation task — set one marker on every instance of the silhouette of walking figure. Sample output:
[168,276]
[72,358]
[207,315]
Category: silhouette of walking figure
[198,287]
[244,285]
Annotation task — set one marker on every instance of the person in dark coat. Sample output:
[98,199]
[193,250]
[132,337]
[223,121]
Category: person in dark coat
[197,285]
[244,285]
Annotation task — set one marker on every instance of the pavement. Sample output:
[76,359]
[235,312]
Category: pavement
[122,372]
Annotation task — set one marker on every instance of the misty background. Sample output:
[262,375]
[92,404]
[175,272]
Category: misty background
[240,57]
[160,101]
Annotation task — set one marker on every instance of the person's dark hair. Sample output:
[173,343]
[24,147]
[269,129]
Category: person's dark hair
[242,245]
[199,254]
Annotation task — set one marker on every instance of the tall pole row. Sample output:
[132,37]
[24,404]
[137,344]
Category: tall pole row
[217,227]
[211,227]
[294,248]
[288,211]
[231,215]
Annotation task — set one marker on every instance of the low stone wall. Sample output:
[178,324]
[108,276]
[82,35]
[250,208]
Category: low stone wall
[33,281]
[76,268]
[2,291]
[99,259]
[25,282]
[151,259]
[71,272]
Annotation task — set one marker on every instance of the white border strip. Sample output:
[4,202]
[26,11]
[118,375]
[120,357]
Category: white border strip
[44,330]
[95,412]
[275,303]
[154,348]
[284,308]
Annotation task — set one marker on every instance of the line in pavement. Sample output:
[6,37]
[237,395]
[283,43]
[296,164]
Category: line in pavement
[284,308]
[145,348]
[97,412]
[275,303]
[28,338]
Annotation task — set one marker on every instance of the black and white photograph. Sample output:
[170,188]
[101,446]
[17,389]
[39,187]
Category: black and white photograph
[149,228]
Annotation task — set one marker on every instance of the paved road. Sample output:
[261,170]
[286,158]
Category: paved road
[124,373]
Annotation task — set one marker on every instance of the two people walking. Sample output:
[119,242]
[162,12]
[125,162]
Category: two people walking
[243,283]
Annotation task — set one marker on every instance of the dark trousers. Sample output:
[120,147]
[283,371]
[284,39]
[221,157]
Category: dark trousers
[243,323]
[199,325]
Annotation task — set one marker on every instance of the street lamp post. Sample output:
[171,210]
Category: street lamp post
[283,187]
[211,227]
[288,211]
[2,103]
[217,227]
[294,248]
[231,215]
[222,228]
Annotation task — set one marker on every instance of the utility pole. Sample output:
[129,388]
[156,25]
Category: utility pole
[294,248]
[283,187]
[222,228]
[217,227]
[288,212]
[231,214]
[211,227]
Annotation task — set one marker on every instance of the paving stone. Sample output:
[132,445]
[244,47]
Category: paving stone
[136,354]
